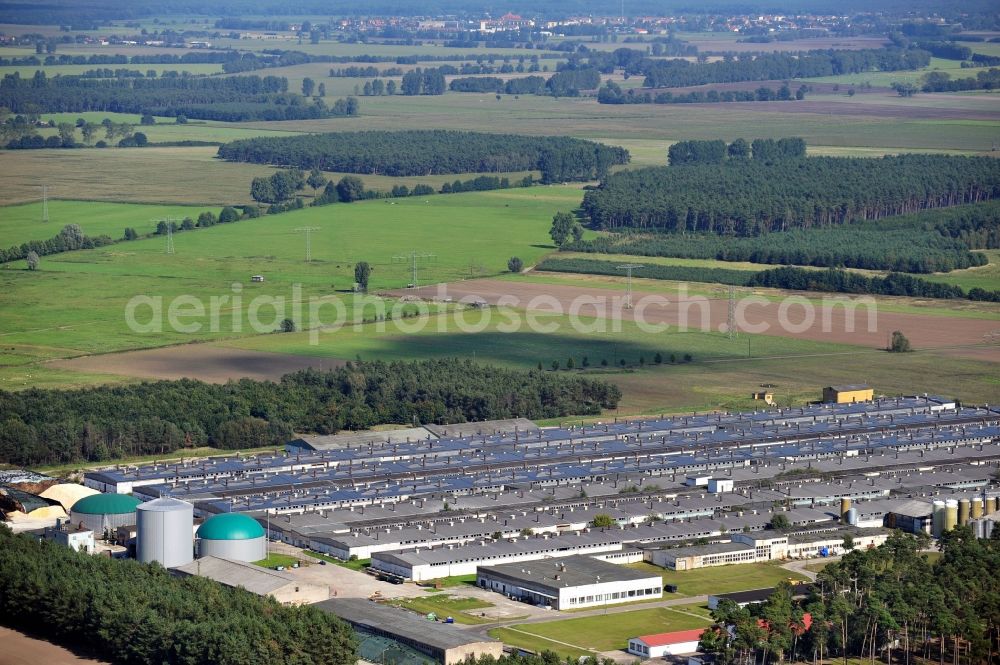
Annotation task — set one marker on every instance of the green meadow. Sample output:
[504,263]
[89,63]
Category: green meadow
[468,235]
[20,223]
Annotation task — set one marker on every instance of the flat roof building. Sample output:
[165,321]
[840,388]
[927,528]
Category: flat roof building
[445,643]
[570,583]
[282,586]
[848,394]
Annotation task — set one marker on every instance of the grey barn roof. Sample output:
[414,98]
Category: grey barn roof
[405,624]
[571,571]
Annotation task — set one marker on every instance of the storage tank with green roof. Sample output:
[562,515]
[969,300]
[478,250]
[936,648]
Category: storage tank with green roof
[232,536]
[101,512]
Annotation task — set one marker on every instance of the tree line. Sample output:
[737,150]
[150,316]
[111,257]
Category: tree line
[102,423]
[778,66]
[132,612]
[937,240]
[843,281]
[943,82]
[612,93]
[427,152]
[791,278]
[741,197]
[718,151]
[232,99]
[649,271]
[888,603]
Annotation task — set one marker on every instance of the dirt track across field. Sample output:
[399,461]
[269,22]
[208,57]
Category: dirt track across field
[20,649]
[213,364]
[830,323]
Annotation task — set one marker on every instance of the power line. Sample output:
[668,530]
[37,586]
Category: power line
[170,223]
[628,268]
[413,257]
[308,231]
[731,323]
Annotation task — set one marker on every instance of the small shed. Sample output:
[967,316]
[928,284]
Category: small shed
[665,644]
[848,394]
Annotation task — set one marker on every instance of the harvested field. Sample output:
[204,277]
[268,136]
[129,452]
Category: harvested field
[197,361]
[21,649]
[873,110]
[830,323]
[713,44]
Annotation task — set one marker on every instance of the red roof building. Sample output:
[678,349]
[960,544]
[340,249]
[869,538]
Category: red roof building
[665,644]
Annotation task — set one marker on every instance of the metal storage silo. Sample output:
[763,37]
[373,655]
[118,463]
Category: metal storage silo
[937,518]
[845,505]
[164,532]
[852,516]
[991,504]
[963,512]
[950,514]
[101,512]
[232,536]
[977,508]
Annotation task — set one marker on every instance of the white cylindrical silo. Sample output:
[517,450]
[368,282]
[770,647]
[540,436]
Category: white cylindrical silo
[164,532]
[852,516]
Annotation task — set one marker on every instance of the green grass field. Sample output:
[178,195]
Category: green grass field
[984,277]
[465,611]
[21,223]
[610,631]
[720,579]
[274,560]
[468,234]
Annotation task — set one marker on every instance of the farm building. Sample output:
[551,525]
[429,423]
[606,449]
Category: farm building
[753,596]
[78,538]
[570,583]
[848,394]
[282,586]
[232,536]
[401,631]
[665,644]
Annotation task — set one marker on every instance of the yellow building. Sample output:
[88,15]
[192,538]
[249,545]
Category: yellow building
[848,394]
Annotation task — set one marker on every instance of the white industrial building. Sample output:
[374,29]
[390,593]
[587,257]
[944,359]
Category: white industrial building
[570,583]
[427,564]
[80,538]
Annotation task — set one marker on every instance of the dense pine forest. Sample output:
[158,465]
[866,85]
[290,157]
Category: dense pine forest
[231,99]
[884,604]
[750,197]
[131,612]
[935,240]
[418,152]
[45,426]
